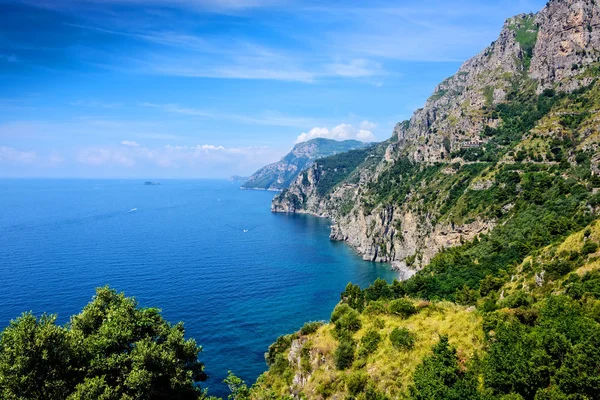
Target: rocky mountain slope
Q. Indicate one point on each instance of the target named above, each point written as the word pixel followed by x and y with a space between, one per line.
pixel 516 121
pixel 279 175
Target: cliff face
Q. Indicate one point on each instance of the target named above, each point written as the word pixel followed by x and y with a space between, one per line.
pixel 568 39
pixel 279 175
pixel 418 193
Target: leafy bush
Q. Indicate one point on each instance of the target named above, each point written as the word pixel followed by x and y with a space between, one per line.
pixel 346 320
pixel 344 354
pixel 402 307
pixel 310 327
pixel 356 382
pixel 440 377
pixel 369 343
pixel 376 308
pixel 518 299
pixel 402 338
pixel 338 311
pixel 589 247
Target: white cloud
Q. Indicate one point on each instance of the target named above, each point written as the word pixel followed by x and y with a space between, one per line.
pixel 12 156
pixel 341 132
pixel 130 143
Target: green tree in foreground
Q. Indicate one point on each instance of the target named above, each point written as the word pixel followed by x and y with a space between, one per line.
pixel 113 349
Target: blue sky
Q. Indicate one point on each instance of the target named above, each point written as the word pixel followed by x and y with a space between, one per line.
pixel 210 88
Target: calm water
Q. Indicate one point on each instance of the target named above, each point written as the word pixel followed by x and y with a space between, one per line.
pixel 180 246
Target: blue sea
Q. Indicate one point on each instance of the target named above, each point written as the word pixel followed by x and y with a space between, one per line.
pixel 204 251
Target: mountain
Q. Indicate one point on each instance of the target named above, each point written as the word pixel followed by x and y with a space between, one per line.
pixel 487 200
pixel 493 145
pixel 279 175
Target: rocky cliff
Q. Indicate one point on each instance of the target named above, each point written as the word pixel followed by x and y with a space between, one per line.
pixel 529 101
pixel 279 175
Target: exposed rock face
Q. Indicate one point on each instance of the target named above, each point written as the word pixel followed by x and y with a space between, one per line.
pixel 457 111
pixel 279 175
pixel 568 40
pixel 556 48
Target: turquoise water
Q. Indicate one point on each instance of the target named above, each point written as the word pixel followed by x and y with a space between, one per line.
pixel 205 252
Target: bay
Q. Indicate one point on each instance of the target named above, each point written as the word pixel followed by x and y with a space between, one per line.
pixel 203 251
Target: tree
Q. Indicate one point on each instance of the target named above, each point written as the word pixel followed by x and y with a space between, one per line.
pixel 113 349
pixel 36 359
pixel 238 388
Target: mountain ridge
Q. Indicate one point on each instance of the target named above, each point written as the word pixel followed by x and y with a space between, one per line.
pixel 277 176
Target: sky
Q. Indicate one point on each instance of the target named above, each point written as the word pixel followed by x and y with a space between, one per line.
pixel 209 88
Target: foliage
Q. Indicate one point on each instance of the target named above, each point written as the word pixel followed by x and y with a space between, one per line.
pixel 346 320
pixel 333 170
pixel 369 343
pixel 402 307
pixel 310 327
pixel 112 349
pixel 344 354
pixel 402 338
pixel 356 382
pixel 440 377
pixel 238 388
pixel 281 344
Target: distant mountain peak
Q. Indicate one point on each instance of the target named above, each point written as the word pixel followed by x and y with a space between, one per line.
pixel 280 175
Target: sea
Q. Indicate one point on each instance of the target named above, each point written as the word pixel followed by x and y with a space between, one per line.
pixel 203 251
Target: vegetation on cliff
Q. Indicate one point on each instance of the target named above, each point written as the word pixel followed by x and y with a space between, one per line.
pixel 530 333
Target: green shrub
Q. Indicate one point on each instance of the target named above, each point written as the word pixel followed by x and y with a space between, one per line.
pixel 347 320
pixel 402 307
pixel 439 376
pixel 589 247
pixel 338 311
pixel 369 343
pixel 518 299
pixel 310 327
pixel 344 354
pixel 356 382
pixel 558 268
pixel 402 338
pixel 376 308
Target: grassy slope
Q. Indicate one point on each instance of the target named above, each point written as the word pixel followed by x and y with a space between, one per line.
pixel 390 370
